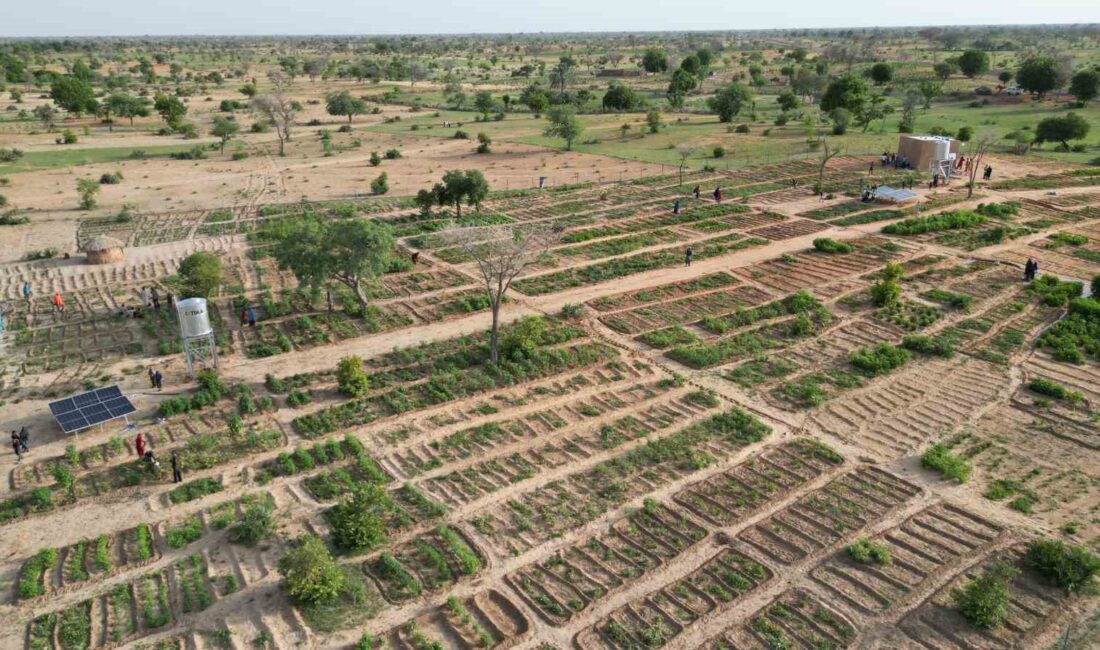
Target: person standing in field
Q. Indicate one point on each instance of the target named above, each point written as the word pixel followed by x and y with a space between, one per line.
pixel 717 194
pixel 24 438
pixel 143 295
pixel 58 302
pixel 676 207
pixel 139 446
pixel 158 379
pixel 177 475
pixel 152 378
pixel 26 290
pixel 696 191
pixel 251 316
pixel 155 297
pixel 15 446
pixel 687 256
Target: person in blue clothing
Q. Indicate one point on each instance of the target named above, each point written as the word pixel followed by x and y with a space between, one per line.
pixel 251 316
pixel 676 207
pixel 26 290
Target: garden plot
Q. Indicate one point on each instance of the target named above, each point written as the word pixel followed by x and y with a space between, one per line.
pixel 679 304
pixel 789 230
pixel 796 619
pixel 729 497
pixel 564 585
pixel 532 517
pixel 484 438
pixel 936 541
pixel 817 270
pixel 1033 607
pixel 1068 179
pixel 639 263
pixel 487 619
pixel 654 620
pixel 915 405
pixel 819 520
pixel 432 561
pixel 1083 379
pixel 462 486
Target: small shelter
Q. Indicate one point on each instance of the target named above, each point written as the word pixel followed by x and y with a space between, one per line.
pixel 927 153
pixel 103 250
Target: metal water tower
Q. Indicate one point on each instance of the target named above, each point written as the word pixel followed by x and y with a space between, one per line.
pixel 197 334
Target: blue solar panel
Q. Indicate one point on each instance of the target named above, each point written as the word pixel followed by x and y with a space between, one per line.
pixel 91 408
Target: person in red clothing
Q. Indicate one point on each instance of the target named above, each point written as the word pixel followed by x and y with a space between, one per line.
pixel 139 443
pixel 58 302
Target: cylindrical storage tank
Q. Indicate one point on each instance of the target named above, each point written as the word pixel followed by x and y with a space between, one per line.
pixel 194 318
pixel 943 148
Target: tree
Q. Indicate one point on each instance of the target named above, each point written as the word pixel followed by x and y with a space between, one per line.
pixel 685 151
pixel 200 275
pixel 279 111
pixel 342 103
pixel 788 101
pixel 691 65
pixel 358 520
pixel 87 188
pixel 621 97
pixel 128 106
pixel 929 90
pixel 826 154
pixel 1062 129
pixel 981 144
pixel 73 95
pixel 847 92
pixel 501 253
pixel 565 125
pixel 681 84
pixel 1039 74
pixel 655 60
pixel 314 67
pixel 46 115
pixel 484 103
pixel 973 62
pixel 1085 85
pixel 458 186
pixel 561 75
pixel 653 120
pixel 728 102
pixel 224 128
pixel 1005 76
pixel 484 142
pixel 840 118
pixel 537 101
pixel 882 73
pixel 984 600
pixel 944 69
pixel 351 378
pixel 311 574
pixel 876 108
pixel 317 250
pixel 170 109
pixel 887 291
pixel 248 90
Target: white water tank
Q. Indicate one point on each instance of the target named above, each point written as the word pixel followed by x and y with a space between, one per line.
pixel 943 148
pixel 194 318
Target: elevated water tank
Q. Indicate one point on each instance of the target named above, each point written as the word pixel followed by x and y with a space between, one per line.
pixel 194 317
pixel 943 148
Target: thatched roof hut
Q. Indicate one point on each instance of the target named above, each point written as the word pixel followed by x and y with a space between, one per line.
pixel 103 250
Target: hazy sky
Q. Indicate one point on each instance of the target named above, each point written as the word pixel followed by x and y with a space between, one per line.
pixel 140 17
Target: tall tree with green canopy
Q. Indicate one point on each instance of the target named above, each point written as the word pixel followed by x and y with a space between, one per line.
pixel 311 574
pixel 200 275
pixel 654 60
pixel 128 106
pixel 973 62
pixel 224 128
pixel 342 103
pixel 1039 74
pixel 317 250
pixel 1062 129
pixel 460 186
pixel 483 102
pixel 1085 85
pixel 729 101
pixel 565 125
pixel 73 95
pixel 170 108
pixel 848 92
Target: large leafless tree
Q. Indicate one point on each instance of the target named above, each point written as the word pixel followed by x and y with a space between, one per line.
pixel 981 145
pixel 277 108
pixel 501 253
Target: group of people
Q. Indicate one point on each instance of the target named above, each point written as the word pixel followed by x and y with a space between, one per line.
pixel 19 440
pixel 1031 269
pixel 892 160
pixel 156 379
pixel 716 194
pixel 248 313
pixel 150 459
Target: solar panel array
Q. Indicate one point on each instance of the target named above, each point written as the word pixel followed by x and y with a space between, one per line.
pixel 91 408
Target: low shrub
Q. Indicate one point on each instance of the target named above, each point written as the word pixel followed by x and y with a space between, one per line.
pixel 939 345
pixel 878 360
pixel 195 490
pixel 1055 390
pixel 865 551
pixel 950 466
pixel 827 245
pixel 984 600
pixel 1069 567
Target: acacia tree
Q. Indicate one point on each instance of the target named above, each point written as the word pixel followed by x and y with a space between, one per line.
pixel 565 125
pixel 685 151
pixel 342 103
pixel 128 106
pixel 224 128
pixel 317 250
pixel 458 186
pixel 47 115
pixel 826 154
pixel 981 145
pixel 279 110
pixel 501 253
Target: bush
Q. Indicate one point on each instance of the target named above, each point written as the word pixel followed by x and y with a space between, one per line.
pixel 111 178
pixel 887 291
pixel 865 551
pixel 239 155
pixel 10 155
pixel 200 274
pixel 827 245
pixel 742 128
pixel 878 360
pixel 392 154
pixel 194 153
pixel 252 525
pixel 939 346
pixel 351 378
pixel 357 521
pixel 940 459
pixel 719 152
pixel 1055 390
pixel 935 223
pixel 381 184
pixel 311 574
pixel 1069 567
pixel 68 137
pixel 195 490
pixel 185 533
pixel 984 600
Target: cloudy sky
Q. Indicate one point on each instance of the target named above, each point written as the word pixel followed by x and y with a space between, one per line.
pixel 141 17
